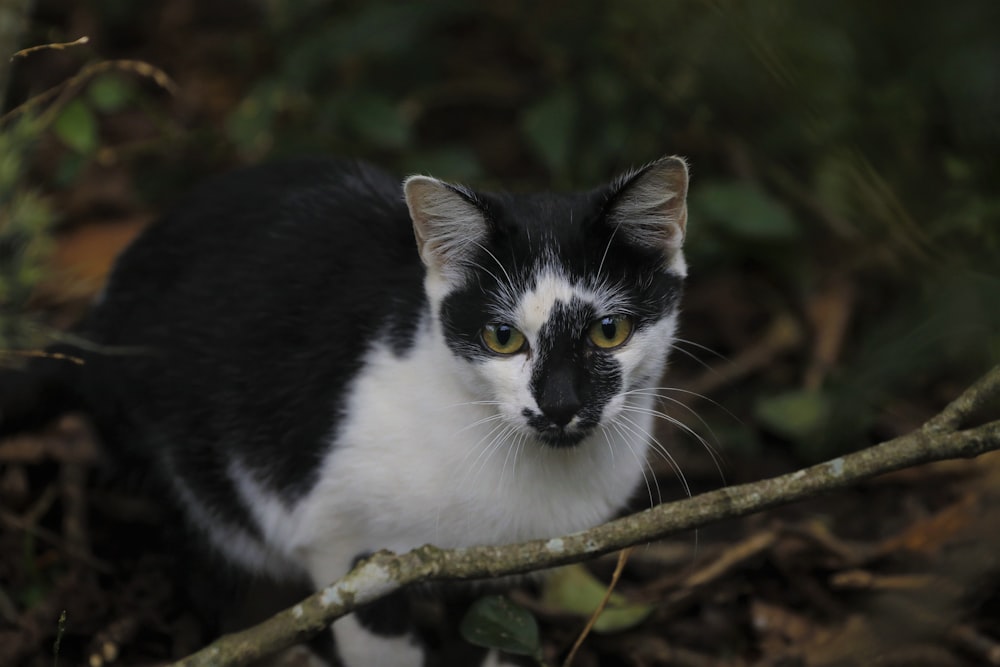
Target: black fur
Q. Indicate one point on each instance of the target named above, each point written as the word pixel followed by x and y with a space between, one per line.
pixel 237 322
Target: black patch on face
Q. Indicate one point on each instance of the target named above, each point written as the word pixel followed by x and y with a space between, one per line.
pixel 571 377
pixel 570 234
pixel 567 232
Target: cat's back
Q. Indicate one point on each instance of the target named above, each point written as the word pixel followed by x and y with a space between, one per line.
pixel 307 217
pixel 238 321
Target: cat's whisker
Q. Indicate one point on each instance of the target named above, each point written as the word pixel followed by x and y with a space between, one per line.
pixel 479 463
pixel 705 348
pixel 518 448
pixel 695 358
pixel 611 448
pixel 505 291
pixel 675 421
pixel 654 391
pixel 600 267
pixel 664 453
pixel 476 465
pixel 462 404
pixel 510 283
pixel 479 422
pixel 712 451
pixel 671 399
pixel 490 450
pixel 506 459
pixel 641 460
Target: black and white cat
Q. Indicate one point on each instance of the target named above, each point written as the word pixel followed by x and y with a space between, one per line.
pixel 313 385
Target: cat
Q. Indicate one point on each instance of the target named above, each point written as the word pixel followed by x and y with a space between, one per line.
pixel 319 363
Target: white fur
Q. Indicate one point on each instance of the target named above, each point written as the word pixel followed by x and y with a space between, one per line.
pixel 235 542
pixel 411 466
pixel 356 648
pixel 434 449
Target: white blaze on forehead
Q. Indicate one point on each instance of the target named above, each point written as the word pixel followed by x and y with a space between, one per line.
pixel 535 306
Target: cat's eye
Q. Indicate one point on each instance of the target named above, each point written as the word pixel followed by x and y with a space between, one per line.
pixel 611 331
pixel 503 338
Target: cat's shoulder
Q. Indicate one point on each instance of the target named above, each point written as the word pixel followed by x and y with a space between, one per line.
pixel 304 207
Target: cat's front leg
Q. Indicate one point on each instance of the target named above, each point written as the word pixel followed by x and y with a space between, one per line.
pixel 358 645
pixel 379 634
pixel 383 634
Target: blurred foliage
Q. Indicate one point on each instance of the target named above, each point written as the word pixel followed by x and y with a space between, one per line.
pixel 574 590
pixel 25 242
pixel 829 141
pixel 826 138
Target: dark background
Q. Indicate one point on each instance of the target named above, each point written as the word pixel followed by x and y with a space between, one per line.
pixel 844 245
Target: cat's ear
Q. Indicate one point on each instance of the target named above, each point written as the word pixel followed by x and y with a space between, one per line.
pixel 649 206
pixel 448 224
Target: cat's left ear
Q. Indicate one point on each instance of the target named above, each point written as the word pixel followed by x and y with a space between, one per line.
pixel 649 206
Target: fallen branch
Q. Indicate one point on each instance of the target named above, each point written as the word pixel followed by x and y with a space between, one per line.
pixel 386 572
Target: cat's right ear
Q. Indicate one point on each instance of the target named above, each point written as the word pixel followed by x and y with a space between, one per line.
pixel 448 224
pixel 649 206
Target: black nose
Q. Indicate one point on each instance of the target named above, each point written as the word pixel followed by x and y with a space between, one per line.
pixel 557 395
pixel 561 412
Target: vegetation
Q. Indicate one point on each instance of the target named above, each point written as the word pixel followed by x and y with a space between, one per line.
pixel 845 219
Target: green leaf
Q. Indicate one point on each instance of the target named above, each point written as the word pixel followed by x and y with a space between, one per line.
pixel 744 210
pixel 549 128
pixel 797 415
pixel 496 622
pixel 109 92
pixel 573 589
pixel 76 127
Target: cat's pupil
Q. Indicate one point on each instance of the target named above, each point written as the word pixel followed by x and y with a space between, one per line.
pixel 503 334
pixel 609 327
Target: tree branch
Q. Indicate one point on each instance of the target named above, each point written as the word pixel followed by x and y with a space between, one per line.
pixel 385 572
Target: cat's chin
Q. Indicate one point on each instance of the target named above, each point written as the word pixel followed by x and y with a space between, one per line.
pixel 558 438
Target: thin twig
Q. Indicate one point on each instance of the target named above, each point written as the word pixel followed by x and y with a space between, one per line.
pixel 42 354
pixel 985 389
pixel 616 575
pixel 54 46
pixel 64 89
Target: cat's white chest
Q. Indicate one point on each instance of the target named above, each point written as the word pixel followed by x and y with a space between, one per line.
pixel 418 460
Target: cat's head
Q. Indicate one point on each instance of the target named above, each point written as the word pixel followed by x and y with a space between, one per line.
pixel 556 304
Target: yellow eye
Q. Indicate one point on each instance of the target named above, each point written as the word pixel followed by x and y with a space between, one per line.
pixel 503 338
pixel 611 331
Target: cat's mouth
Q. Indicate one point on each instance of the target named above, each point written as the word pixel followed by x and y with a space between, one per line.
pixel 558 436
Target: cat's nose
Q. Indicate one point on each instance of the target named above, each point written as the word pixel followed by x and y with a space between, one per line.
pixel 557 396
pixel 562 412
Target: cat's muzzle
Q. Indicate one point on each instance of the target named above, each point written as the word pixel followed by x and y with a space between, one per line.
pixel 554 434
